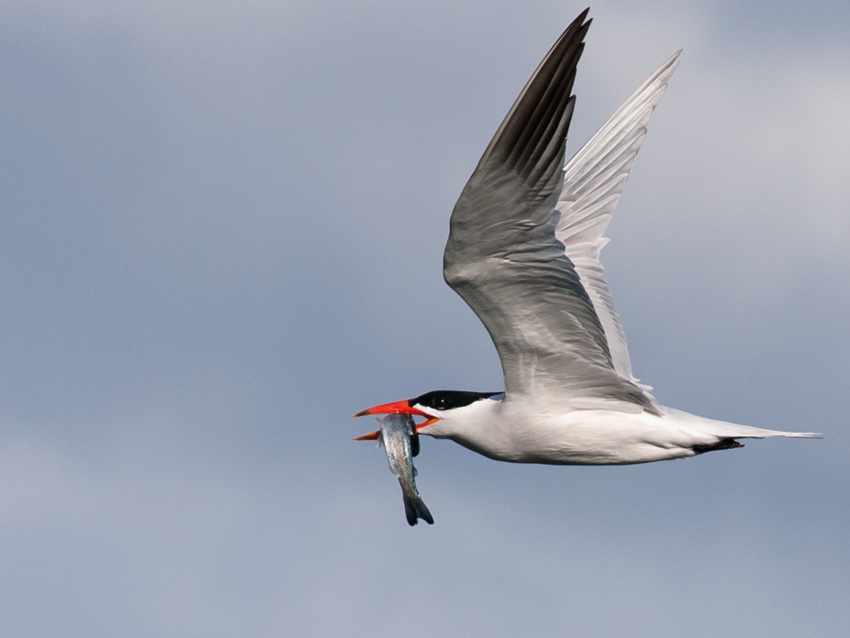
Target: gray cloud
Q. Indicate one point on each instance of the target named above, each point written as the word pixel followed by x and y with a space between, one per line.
pixel 221 235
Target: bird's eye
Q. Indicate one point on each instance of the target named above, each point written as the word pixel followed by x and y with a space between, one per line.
pixel 449 399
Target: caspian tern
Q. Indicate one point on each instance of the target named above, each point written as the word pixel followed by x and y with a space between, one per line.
pixel 523 252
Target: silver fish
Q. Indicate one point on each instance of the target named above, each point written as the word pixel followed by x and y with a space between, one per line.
pixel 398 435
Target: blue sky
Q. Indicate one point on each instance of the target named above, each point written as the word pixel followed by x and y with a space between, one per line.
pixel 221 234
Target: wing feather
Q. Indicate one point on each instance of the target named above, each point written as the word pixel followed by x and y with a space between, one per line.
pixel 523 249
pixel 505 261
pixel 594 179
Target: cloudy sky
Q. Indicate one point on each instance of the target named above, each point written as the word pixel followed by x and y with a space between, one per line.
pixel 221 234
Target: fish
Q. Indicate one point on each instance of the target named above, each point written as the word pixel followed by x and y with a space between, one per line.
pixel 401 443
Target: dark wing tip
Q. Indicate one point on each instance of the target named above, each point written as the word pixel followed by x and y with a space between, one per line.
pixel 531 138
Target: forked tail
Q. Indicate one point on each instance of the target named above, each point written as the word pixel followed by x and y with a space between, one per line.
pixel 746 432
pixel 727 430
pixel 415 508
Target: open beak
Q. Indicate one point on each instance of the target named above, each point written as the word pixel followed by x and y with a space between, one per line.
pixel 397 407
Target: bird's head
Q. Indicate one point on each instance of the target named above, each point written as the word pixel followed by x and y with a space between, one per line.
pixel 440 405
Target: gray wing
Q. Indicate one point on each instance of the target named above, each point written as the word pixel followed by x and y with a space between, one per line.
pixel 503 257
pixel 593 182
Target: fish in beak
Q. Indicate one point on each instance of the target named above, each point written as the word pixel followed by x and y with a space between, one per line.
pixel 396 407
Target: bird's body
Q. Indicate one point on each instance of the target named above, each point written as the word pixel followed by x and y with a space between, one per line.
pixel 523 252
pixel 511 430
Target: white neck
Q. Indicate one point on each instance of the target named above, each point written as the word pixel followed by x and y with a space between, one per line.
pixel 481 426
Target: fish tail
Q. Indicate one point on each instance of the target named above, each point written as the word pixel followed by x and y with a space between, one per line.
pixel 415 508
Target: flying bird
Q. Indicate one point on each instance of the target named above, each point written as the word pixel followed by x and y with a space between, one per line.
pixel 523 252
